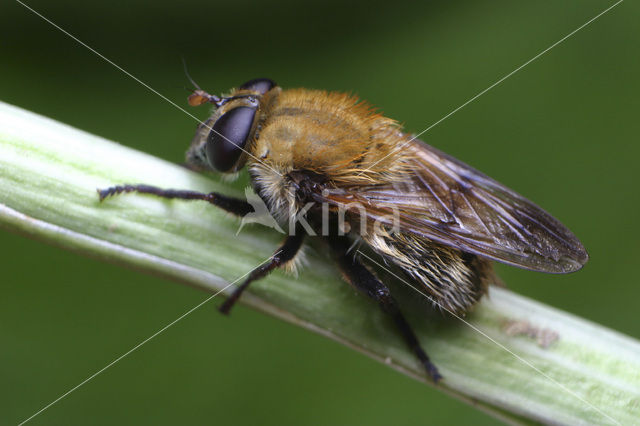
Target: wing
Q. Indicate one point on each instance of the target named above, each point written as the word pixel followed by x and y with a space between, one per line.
pixel 451 203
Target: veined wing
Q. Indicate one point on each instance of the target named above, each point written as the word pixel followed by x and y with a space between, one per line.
pixel 451 203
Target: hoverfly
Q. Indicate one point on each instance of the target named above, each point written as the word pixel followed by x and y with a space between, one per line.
pixel 315 152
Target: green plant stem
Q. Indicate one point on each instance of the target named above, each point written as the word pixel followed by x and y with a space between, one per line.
pixel 516 359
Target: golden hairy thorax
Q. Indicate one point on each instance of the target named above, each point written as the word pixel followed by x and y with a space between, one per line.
pixel 332 134
pixel 349 144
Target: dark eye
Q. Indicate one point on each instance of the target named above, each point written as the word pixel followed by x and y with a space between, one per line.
pixel 260 85
pixel 228 137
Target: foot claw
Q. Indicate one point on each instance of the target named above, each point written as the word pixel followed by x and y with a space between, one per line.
pixel 103 193
pixel 433 372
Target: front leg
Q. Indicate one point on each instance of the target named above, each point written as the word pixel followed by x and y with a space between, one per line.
pixel 284 254
pixel 232 205
pixel 364 280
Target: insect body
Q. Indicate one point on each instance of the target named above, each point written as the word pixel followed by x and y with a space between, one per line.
pixel 351 174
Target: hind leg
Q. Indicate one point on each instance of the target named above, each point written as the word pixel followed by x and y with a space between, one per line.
pixel 364 280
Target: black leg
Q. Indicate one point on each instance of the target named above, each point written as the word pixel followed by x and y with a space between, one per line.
pixel 364 280
pixel 232 205
pixel 285 253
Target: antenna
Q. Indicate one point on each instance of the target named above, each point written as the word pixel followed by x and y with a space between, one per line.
pixel 199 96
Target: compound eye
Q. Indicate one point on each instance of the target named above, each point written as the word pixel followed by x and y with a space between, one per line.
pixel 260 85
pixel 228 137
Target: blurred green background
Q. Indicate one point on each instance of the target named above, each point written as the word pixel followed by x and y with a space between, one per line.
pixel 563 131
